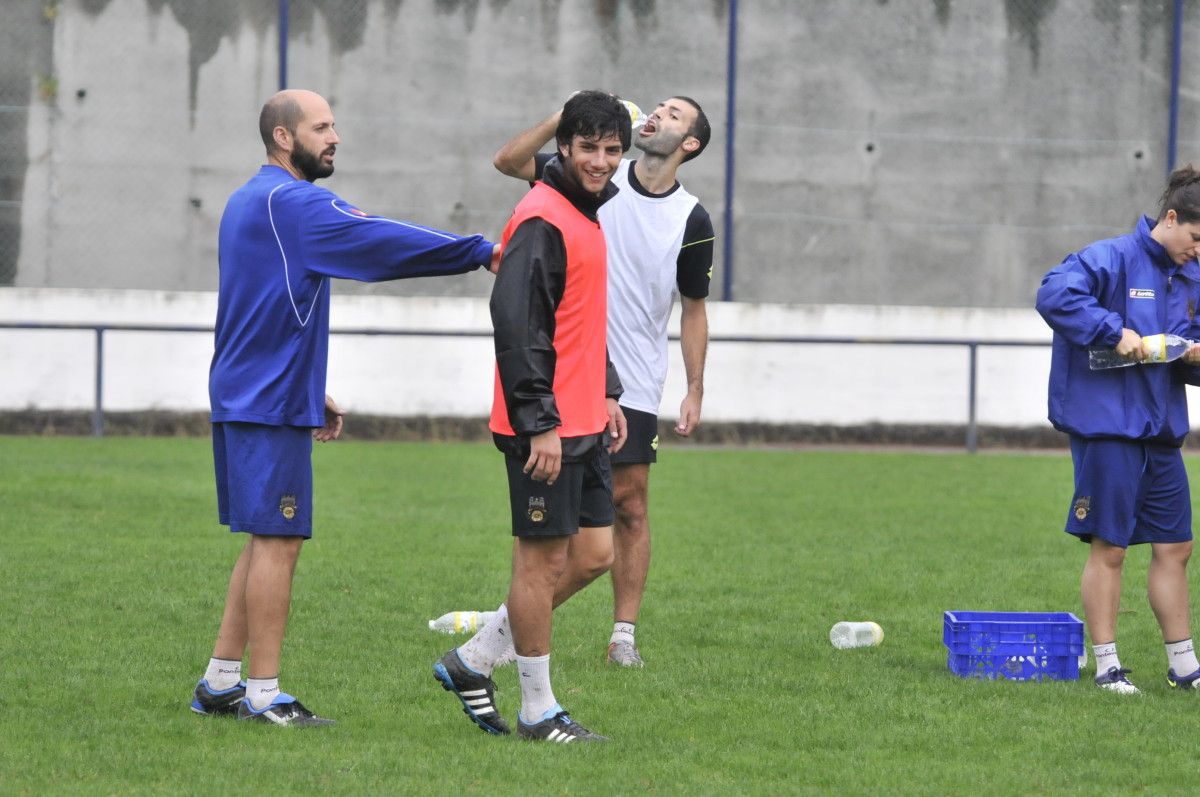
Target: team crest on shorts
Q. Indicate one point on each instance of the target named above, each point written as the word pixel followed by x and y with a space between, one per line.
pixel 287 507
pixel 1082 507
pixel 537 510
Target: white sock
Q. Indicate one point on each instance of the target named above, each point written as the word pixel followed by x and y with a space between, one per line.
pixel 482 651
pixel 1106 657
pixel 261 691
pixel 536 695
pixel 223 674
pixel 1181 657
pixel 622 632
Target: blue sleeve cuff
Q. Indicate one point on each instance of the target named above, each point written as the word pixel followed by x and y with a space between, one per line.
pixel 483 252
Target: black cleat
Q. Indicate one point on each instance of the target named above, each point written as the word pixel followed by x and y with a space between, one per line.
pixel 284 710
pixel 206 701
pixel 477 692
pixel 559 728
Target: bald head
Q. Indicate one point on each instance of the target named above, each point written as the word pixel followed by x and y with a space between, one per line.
pixel 297 128
pixel 287 109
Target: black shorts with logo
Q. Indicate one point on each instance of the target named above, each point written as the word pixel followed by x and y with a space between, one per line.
pixel 642 444
pixel 580 497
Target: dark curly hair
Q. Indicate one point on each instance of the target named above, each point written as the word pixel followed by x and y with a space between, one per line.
pixel 594 114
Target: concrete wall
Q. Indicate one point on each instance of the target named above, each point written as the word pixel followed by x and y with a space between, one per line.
pixel 907 152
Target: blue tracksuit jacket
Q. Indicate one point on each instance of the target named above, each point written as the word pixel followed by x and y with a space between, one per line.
pixel 280 241
pixel 1131 282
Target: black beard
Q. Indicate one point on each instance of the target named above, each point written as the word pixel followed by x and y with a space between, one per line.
pixel 309 164
pixel 660 146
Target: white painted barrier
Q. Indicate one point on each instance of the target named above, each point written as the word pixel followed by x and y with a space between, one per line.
pixel 452 376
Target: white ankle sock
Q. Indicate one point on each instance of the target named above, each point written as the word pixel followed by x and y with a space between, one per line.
pixel 1106 657
pixel 482 651
pixel 223 674
pixel 261 691
pixel 536 695
pixel 1181 657
pixel 622 632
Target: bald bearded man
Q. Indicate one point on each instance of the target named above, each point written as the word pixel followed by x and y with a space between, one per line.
pixel 281 240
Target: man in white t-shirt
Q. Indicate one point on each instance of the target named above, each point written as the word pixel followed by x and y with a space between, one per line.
pixel 660 242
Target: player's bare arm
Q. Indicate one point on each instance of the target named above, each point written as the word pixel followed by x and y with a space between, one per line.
pixel 693 339
pixel 515 158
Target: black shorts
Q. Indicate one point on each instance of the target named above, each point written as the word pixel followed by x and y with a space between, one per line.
pixel 582 496
pixel 642 444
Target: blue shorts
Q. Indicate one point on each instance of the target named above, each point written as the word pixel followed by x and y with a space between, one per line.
pixel 1128 493
pixel 264 478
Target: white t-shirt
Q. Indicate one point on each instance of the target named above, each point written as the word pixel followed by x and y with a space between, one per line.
pixel 646 235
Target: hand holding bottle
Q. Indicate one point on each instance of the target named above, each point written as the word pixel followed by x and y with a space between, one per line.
pixel 1131 346
pixel 1132 349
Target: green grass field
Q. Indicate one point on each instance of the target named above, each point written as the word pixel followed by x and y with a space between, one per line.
pixel 113 570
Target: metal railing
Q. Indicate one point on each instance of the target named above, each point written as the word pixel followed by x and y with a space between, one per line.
pixel 971 344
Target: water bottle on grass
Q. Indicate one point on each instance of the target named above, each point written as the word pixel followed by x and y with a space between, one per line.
pixel 847 635
pixel 460 622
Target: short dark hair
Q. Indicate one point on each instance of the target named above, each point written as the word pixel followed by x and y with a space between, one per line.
pixel 1182 195
pixel 700 128
pixel 594 114
pixel 279 111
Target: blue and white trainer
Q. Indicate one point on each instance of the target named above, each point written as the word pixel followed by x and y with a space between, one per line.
pixel 284 710
pixel 1116 680
pixel 557 726
pixel 224 701
pixel 1183 681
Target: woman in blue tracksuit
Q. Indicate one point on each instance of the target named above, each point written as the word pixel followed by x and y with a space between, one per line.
pixel 1126 425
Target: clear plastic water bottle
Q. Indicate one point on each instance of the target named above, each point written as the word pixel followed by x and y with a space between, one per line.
pixel 847 635
pixel 637 117
pixel 1161 348
pixel 460 622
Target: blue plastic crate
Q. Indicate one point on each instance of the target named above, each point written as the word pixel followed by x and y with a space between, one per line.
pixel 1016 646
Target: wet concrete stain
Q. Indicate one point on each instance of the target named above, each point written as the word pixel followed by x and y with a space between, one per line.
pixel 26 79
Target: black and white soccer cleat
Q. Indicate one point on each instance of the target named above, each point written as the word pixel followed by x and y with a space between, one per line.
pixel 284 710
pixel 476 691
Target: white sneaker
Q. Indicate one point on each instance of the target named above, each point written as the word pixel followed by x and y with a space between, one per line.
pixel 624 653
pixel 1115 681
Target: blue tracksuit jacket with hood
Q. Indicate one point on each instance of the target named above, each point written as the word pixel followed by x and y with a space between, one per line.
pixel 1131 282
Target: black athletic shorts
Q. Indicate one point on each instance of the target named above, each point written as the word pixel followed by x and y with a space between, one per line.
pixel 642 444
pixel 581 496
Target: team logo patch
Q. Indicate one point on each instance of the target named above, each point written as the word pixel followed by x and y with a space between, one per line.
pixel 287 507
pixel 1082 507
pixel 1191 309
pixel 1141 293
pixel 654 443
pixel 536 510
